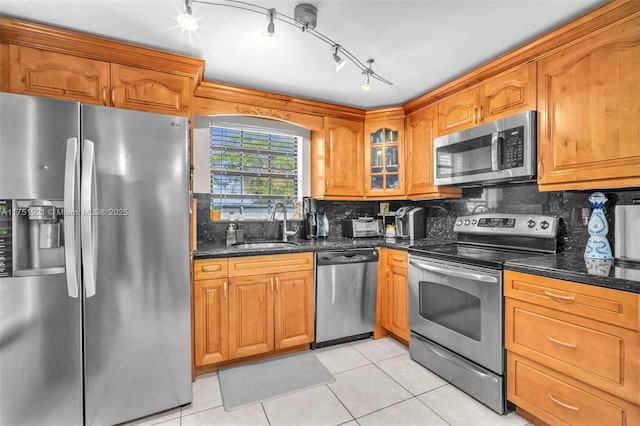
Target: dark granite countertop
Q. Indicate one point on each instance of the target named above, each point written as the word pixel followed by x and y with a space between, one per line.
pixel 216 250
pixel 574 267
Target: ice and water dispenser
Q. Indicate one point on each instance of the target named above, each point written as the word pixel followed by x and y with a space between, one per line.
pixel 31 240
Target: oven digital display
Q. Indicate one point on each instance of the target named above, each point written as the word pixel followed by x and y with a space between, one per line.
pixel 497 222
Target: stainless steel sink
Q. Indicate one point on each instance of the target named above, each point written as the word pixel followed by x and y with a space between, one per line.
pixel 264 245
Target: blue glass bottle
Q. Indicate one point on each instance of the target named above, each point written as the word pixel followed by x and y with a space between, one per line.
pixel 598 246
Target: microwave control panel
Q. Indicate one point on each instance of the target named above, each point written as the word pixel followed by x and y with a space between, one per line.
pixel 512 147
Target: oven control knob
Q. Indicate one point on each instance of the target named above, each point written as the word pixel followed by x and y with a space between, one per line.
pixel 467 222
pixel 473 222
pixel 544 224
pixel 531 223
pixel 459 223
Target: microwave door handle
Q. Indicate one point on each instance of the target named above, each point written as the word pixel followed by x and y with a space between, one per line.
pixel 455 273
pixel 496 152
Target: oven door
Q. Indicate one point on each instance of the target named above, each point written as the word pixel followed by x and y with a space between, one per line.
pixel 459 307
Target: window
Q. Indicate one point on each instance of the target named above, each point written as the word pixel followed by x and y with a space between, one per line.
pixel 252 169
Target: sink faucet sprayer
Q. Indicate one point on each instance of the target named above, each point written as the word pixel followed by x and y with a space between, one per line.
pixel 285 232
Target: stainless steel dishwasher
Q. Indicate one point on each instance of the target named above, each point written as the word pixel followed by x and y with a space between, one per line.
pixel 345 295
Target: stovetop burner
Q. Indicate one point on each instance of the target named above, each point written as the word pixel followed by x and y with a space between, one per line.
pixel 474 255
pixel 490 239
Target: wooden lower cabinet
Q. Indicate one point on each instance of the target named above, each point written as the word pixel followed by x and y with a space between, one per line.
pixel 211 316
pixel 395 289
pixel 240 313
pixel 557 399
pixel 573 351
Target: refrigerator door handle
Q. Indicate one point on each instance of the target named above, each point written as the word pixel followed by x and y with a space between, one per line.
pixel 88 217
pixel 70 251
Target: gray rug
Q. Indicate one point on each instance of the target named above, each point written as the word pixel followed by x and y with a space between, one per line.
pixel 263 380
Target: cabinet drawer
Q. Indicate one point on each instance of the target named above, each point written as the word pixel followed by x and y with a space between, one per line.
pixel 601 304
pixel 209 269
pixel 397 258
pixel 548 396
pixel 599 354
pixel 272 264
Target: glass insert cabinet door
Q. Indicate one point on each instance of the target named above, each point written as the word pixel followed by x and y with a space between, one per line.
pixel 384 162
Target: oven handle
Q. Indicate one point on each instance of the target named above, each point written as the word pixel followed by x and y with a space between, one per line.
pixel 460 364
pixel 455 273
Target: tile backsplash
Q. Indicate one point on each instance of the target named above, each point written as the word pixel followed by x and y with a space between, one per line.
pixel 440 214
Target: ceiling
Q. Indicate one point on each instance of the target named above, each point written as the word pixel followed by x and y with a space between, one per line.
pixel 417 45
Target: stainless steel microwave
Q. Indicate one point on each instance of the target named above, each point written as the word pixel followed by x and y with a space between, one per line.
pixel 497 152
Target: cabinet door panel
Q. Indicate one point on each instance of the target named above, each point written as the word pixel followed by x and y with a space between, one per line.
pixel 589 133
pixel 458 112
pixel 152 91
pixel 344 157
pixel 294 316
pixel 54 75
pixel 250 315
pixel 397 294
pixel 509 93
pixel 211 321
pixel 384 158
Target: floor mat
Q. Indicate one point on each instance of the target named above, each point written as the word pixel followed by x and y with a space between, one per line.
pixel 263 380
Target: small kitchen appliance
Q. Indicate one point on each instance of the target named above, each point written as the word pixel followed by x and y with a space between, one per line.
pixel 456 306
pixel 497 152
pixel 361 228
pixel 627 231
pixel 309 211
pixel 410 223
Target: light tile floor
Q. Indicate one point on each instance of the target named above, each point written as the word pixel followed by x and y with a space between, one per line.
pixel 377 384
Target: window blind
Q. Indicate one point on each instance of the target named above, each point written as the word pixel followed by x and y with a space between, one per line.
pixel 253 170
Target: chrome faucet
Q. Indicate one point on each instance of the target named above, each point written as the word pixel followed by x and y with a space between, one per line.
pixel 285 232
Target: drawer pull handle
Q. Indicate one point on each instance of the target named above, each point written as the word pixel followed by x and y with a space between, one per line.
pixel 214 268
pixel 560 342
pixel 570 407
pixel 557 296
pixel 398 259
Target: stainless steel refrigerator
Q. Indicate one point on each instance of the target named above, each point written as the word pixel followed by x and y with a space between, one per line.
pixel 94 263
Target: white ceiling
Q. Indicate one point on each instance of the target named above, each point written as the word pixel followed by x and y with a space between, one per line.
pixel 417 44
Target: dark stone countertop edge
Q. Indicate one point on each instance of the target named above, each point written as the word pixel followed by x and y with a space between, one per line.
pixel 212 251
pixel 572 267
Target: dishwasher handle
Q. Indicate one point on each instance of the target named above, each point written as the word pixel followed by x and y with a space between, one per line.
pixel 346 257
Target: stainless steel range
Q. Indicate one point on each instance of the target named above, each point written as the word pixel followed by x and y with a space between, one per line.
pixel 456 308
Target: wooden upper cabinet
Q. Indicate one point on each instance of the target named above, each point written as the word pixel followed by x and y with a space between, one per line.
pixel 42 73
pixel 458 112
pixel 344 158
pixel 55 75
pixel 589 122
pixel 147 90
pixel 498 97
pixel 420 130
pixel 384 165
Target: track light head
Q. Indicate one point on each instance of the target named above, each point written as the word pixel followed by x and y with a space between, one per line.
pixel 340 62
pixel 270 33
pixel 368 72
pixel 186 19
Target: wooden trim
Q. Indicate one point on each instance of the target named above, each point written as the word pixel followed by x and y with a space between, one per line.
pixel 59 40
pixel 208 106
pixel 262 99
pixel 612 13
pixel 215 367
pixel 384 114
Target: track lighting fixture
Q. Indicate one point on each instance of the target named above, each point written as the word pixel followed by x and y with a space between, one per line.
pixel 186 19
pixel 339 61
pixel 270 33
pixel 368 72
pixel 305 19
